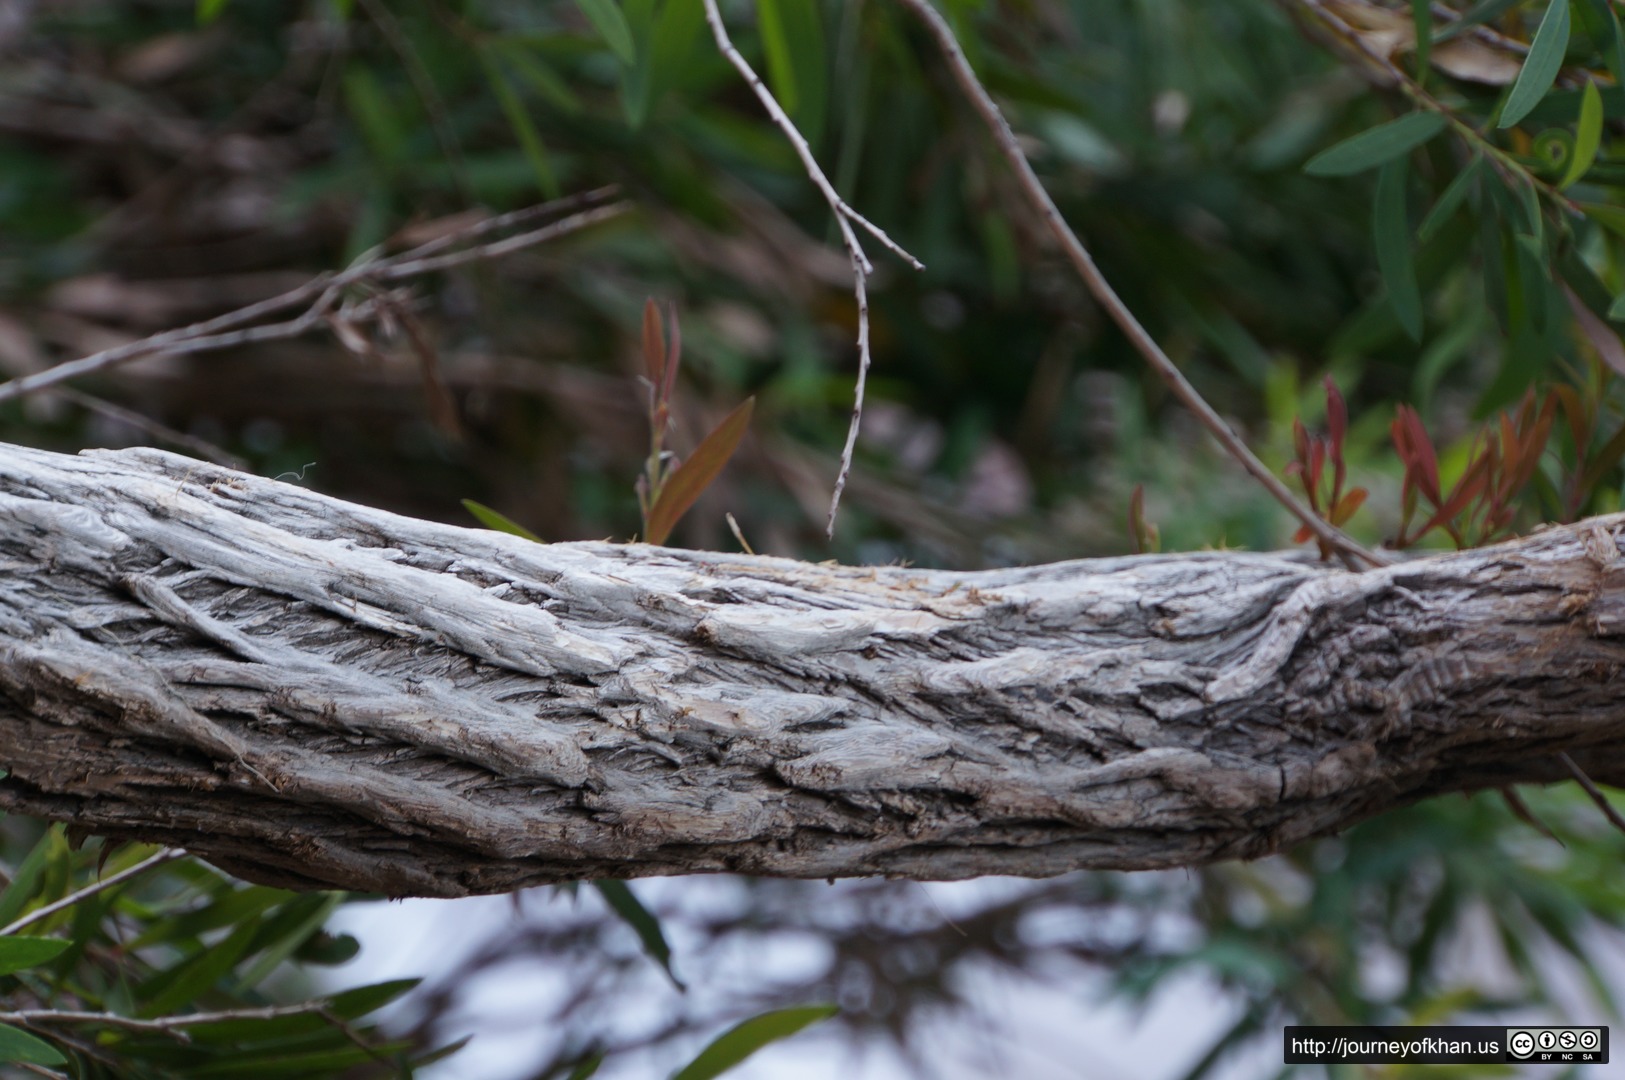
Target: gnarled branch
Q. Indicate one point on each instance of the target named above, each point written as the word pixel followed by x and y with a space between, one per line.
pixel 309 693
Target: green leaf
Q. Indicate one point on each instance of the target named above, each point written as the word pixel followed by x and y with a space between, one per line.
pixel 1375 146
pixel 1479 13
pixel 695 475
pixel 793 39
pixel 637 79
pixel 519 119
pixel 1587 137
pixel 23 1048
pixel 1422 22
pixel 744 1039
pixel 1392 233
pixel 501 523
pixel 1616 310
pixel 1611 218
pixel 1541 66
pixel 179 986
pixel 1450 201
pixel 624 902
pixel 209 10
pixel 606 18
pixel 25 882
pixel 17 953
pixel 587 1067
pixel 781 73
pixel 1602 26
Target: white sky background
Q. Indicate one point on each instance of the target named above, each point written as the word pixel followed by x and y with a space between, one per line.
pixel 1037 1031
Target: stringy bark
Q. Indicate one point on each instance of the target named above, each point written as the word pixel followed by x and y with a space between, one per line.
pixel 311 693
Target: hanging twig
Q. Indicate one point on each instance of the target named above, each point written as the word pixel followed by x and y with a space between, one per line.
pixel 170 1025
pixel 157 859
pixel 1591 789
pixel 845 218
pixel 323 292
pixel 203 448
pixel 1347 548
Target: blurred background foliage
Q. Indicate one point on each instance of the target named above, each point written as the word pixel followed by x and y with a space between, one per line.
pixel 167 160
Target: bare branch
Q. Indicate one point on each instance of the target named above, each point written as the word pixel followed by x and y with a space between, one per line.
pixel 1350 550
pixel 171 1025
pixel 203 448
pixel 322 292
pixel 845 217
pixel 310 693
pixel 156 859
pixel 1591 789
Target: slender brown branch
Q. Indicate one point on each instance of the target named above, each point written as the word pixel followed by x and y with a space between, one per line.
pixel 1374 60
pixel 174 1025
pixel 203 448
pixel 156 859
pixel 845 217
pixel 1347 548
pixel 323 291
pixel 1592 790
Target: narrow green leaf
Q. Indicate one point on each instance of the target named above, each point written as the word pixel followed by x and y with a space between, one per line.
pixel 173 989
pixel 793 39
pixel 17 953
pixel 1541 66
pixel 637 79
pixel 500 522
pixel 1450 201
pixel 1602 26
pixel 1375 146
pixel 1587 136
pixel 606 18
pixel 25 882
pixel 745 1038
pixel 380 125
pixel 209 10
pixel 24 1049
pixel 587 1067
pixel 781 73
pixel 525 131
pixel 695 475
pixel 1611 218
pixel 1479 13
pixel 1616 310
pixel 1422 22
pixel 625 903
pixel 1392 233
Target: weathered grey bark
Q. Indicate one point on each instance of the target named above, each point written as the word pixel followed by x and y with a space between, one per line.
pixel 312 693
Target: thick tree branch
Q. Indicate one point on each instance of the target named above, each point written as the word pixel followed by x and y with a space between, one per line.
pixel 312 693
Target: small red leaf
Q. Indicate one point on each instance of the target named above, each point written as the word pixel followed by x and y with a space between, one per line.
pixel 654 347
pixel 674 354
pixel 1303 535
pixel 1337 415
pixel 689 480
pixel 1347 505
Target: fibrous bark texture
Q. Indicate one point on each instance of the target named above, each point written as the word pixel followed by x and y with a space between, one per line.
pixel 312 693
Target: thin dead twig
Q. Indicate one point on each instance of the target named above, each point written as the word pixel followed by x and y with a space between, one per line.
pixel 169 1025
pixel 325 290
pixel 1592 790
pixel 1352 553
pixel 156 859
pixel 203 448
pixel 845 218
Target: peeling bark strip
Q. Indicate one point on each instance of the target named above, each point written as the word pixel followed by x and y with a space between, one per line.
pixel 312 693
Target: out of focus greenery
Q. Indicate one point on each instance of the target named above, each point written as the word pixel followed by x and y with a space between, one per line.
pixel 168 160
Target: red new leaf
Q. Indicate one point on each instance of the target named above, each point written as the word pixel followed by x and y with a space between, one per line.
pixel 690 480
